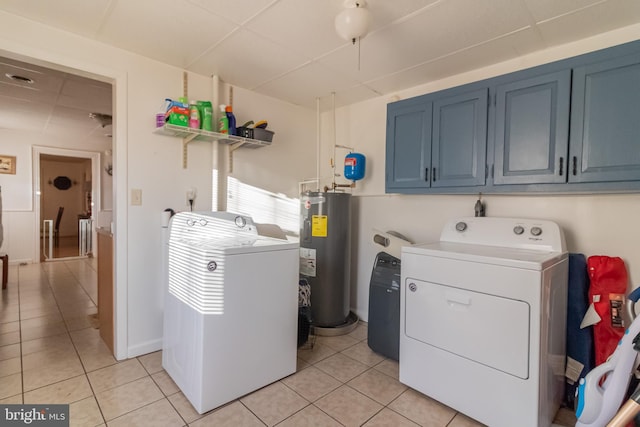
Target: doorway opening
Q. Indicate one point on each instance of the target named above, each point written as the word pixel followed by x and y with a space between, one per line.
pixel 67 199
pixel 66 207
pixel 75 101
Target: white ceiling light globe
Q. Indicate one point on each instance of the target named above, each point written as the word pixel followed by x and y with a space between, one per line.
pixel 353 22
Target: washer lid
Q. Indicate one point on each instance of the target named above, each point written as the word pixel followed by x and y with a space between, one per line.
pixel 510 257
pixel 243 245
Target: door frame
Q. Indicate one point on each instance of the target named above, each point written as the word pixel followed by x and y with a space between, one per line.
pixel 95 187
pixel 119 81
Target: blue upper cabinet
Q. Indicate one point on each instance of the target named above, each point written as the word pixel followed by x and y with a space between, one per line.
pixel 571 125
pixel 459 142
pixel 605 121
pixel 532 130
pixel 408 156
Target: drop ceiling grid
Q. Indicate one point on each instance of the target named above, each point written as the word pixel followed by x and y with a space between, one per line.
pixel 272 46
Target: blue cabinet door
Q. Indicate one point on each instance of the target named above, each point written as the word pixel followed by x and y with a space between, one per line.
pixel 408 150
pixel 459 143
pixel 605 121
pixel 532 130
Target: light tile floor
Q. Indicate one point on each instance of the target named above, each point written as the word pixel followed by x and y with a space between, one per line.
pixel 50 353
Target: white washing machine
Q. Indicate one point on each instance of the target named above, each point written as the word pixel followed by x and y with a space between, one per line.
pixel 231 307
pixel 483 319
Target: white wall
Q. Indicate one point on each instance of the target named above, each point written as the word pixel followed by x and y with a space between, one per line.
pixel 597 224
pixel 291 156
pixel 21 241
pixel 146 161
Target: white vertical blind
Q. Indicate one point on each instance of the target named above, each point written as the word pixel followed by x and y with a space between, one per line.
pixel 261 205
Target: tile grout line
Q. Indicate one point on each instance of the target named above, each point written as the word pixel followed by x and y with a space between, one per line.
pixel 68 333
pixel 20 335
pixel 369 368
pixel 169 400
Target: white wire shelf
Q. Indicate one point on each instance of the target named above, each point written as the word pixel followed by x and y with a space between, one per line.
pixel 191 134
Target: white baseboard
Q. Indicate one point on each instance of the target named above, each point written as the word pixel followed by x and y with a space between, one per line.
pixel 144 348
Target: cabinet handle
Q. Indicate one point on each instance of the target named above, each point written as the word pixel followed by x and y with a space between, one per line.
pixel 433 175
pixel 561 165
pixel 426 174
pixel 575 165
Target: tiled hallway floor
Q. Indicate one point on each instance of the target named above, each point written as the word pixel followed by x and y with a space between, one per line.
pixel 50 353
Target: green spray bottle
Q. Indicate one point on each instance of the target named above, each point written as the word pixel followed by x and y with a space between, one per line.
pixel 223 123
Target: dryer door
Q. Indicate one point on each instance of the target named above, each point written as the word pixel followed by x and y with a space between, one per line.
pixel 484 328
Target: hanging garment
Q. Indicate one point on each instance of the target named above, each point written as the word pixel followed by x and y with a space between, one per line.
pixel 608 276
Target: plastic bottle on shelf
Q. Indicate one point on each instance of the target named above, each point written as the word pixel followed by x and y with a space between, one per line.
pixel 223 123
pixel 206 113
pixel 194 115
pixel 231 119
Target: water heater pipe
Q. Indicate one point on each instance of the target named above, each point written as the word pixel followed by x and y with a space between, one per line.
pixel 333 159
pixel 220 151
pixel 318 143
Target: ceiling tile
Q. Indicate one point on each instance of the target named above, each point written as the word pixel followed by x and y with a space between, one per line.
pixel 384 12
pixel 42 81
pixel 236 64
pixel 542 10
pixel 72 117
pixel 234 10
pixel 599 18
pixel 297 25
pixel 184 32
pixel 427 35
pixel 80 94
pixel 288 49
pixel 484 54
pixel 304 85
pixel 15 92
pixel 77 16
pixel 348 96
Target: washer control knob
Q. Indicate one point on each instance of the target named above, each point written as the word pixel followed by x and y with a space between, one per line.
pixel 536 231
pixel 461 226
pixel 241 221
pixel 518 229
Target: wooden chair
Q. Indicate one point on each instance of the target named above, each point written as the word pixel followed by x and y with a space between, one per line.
pixel 56 228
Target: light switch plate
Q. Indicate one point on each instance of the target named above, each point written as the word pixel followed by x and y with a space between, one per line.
pixel 136 197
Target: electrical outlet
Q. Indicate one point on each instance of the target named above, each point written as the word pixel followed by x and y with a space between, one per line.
pixel 136 197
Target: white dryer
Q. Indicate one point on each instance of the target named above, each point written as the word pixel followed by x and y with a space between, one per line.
pixel 231 307
pixel 483 319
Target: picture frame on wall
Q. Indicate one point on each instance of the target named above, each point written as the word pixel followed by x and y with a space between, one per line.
pixel 7 164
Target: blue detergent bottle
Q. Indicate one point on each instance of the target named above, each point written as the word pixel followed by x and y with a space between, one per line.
pixel 232 120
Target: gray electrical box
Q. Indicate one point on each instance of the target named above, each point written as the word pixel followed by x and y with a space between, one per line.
pixel 384 306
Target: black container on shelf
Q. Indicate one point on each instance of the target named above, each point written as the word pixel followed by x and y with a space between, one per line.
pixel 257 133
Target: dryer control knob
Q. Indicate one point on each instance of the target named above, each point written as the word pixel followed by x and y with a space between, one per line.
pixel 536 231
pixel 518 229
pixel 461 226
